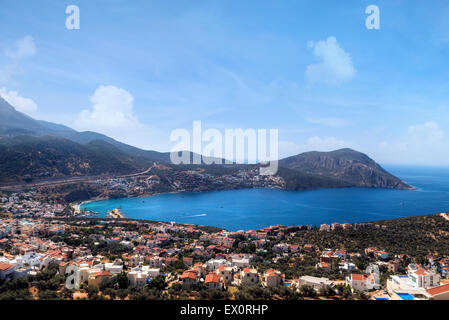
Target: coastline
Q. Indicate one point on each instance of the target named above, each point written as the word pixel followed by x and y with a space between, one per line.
pixel 77 205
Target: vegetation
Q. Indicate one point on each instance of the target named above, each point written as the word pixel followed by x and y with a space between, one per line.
pixel 414 236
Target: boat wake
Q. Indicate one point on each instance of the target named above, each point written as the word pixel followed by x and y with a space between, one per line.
pixel 197 215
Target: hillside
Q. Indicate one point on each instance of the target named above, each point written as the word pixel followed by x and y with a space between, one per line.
pixel 346 165
pixel 43 157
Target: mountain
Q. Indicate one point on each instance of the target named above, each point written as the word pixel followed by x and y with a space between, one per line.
pixel 347 166
pixel 49 157
pixel 37 149
pixel 13 122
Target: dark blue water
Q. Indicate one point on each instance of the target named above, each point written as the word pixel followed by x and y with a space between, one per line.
pixel 258 208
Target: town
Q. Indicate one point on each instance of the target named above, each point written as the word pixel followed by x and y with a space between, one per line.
pixel 43 245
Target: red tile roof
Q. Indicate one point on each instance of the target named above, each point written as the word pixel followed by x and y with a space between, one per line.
pixel 212 278
pixel 421 272
pixel 5 266
pixel 438 290
pixel 102 273
pixel 358 277
pixel 189 274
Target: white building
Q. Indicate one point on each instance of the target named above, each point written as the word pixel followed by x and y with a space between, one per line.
pixel 422 278
pixel 139 276
pixel 226 274
pixel 273 278
pixel 361 282
pixel 214 264
pixel 114 267
pixel 249 276
pixel 241 260
pixel 315 282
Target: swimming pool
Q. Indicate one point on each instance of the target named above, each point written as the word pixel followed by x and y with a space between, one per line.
pixel 405 296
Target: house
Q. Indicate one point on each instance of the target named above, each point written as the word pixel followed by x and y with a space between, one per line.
pixel 213 281
pixel 171 261
pixel 201 268
pixel 140 276
pixel 315 282
pixel 322 265
pixel 347 266
pixel 381 254
pixel 214 264
pixel 249 276
pixel 189 279
pixel 329 257
pixel 341 254
pixel 226 274
pixel 347 226
pixel 422 278
pixel 115 267
pixel 241 261
pixel 99 278
pixel 370 250
pixel 273 278
pixel 294 248
pixel 309 248
pixel 281 247
pixel 439 293
pixel 154 261
pixel 188 261
pixel 361 282
pixel 336 226
pixel 6 270
pixel 394 266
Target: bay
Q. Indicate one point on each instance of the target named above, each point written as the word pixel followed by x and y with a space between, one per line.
pixel 258 208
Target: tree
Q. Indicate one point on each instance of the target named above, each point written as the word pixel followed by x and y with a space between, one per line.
pixel 91 291
pixel 66 294
pixel 110 292
pixel 48 295
pixel 122 294
pixel 158 283
pixel 122 280
pixel 327 291
pixel 307 291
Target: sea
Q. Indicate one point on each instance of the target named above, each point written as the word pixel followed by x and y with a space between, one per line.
pixel 252 209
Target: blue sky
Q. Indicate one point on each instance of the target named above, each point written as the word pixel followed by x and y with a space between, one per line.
pixel 136 70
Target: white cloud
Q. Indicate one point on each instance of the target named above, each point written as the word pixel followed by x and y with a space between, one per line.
pixel 23 48
pixel 326 144
pixel 335 64
pixel 330 122
pixel 422 144
pixel 25 105
pixel 112 109
pixel 429 132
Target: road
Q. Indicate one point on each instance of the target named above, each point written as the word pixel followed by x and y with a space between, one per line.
pixel 64 180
